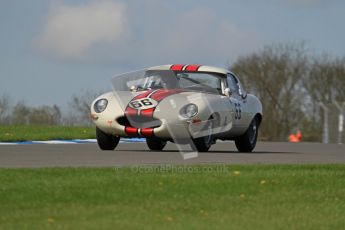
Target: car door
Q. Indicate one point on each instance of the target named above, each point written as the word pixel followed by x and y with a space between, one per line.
pixel 236 102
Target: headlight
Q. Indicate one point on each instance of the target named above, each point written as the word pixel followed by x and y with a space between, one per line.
pixel 190 110
pixel 100 105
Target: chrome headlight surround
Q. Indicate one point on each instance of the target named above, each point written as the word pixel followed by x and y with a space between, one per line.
pixel 100 105
pixel 189 110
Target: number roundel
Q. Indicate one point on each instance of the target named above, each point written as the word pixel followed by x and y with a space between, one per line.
pixel 143 103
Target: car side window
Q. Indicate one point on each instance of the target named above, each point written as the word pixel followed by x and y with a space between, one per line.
pixel 232 84
pixel 200 81
pixel 241 90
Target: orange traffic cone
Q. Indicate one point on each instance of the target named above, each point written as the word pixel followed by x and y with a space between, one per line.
pixel 295 137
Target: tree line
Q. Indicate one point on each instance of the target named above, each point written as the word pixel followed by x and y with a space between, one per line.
pixel 20 113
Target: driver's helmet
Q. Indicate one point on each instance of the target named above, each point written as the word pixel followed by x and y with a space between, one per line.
pixel 155 82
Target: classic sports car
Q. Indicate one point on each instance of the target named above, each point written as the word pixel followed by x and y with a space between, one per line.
pixel 193 104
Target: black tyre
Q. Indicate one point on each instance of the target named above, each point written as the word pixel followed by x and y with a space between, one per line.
pixel 203 144
pixel 106 141
pixel 155 144
pixel 247 142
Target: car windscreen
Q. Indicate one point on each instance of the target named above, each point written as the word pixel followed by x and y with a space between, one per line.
pixel 143 80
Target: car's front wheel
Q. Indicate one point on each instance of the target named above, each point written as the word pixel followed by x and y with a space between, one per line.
pixel 106 141
pixel 203 144
pixel 155 144
pixel 247 142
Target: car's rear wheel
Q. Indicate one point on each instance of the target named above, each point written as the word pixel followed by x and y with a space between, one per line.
pixel 203 144
pixel 106 141
pixel 155 143
pixel 247 142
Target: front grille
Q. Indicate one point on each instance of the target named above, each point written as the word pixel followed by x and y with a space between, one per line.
pixel 139 122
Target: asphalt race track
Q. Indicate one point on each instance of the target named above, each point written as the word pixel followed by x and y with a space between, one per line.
pixel 59 155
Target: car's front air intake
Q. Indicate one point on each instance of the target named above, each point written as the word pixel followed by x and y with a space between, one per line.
pixel 139 122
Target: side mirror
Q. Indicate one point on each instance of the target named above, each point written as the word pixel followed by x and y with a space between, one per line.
pixel 227 92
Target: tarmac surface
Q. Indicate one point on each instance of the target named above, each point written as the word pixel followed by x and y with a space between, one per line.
pixel 127 154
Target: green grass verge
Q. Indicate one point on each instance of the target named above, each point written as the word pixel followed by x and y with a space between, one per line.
pixel 189 197
pixel 44 132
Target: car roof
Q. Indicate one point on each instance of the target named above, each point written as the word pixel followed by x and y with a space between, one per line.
pixel 191 68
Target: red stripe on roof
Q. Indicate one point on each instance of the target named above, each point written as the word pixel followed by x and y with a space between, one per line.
pixel 192 68
pixel 177 67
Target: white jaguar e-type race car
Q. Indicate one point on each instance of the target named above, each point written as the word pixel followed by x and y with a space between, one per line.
pixel 191 104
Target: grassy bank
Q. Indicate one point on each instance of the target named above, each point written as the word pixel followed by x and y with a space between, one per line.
pixel 43 132
pixel 190 197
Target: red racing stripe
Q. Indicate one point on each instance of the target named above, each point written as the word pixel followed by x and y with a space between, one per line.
pixel 161 94
pixel 158 95
pixel 192 68
pixel 131 131
pixel 142 95
pixel 147 112
pixel 146 132
pixel 176 67
pixel 130 111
